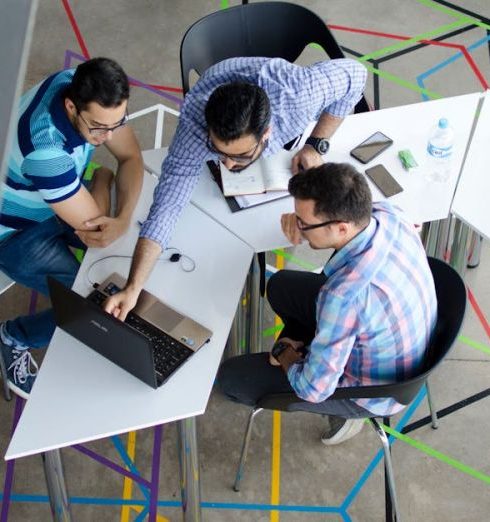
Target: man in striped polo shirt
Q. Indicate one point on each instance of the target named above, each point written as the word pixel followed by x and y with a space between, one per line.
pixel 365 320
pixel 46 209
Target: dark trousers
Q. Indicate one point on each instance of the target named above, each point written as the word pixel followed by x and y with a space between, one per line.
pixel 246 378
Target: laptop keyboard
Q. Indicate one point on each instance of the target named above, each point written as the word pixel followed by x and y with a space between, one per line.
pixel 168 353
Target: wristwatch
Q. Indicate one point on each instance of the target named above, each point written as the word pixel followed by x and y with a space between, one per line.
pixel 278 348
pixel 321 145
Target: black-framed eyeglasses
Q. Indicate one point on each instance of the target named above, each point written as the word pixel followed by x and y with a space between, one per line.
pixel 242 159
pixel 305 226
pixel 102 131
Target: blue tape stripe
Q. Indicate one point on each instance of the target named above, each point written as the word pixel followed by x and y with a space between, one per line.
pixel 142 515
pixel 479 43
pixel 445 63
pixel 116 440
pixel 173 503
pixel 346 517
pixel 372 465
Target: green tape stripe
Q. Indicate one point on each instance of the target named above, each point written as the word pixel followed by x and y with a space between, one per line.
pixel 415 39
pixel 224 4
pixel 269 332
pixel 438 455
pixel 89 171
pixel 452 12
pixel 295 260
pixel 474 344
pixel 79 253
pixel 400 81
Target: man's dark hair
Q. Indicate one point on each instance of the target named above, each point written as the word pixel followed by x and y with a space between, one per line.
pixel 238 109
pixel 99 80
pixel 338 190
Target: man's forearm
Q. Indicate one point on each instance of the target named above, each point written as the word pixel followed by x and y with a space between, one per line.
pixel 326 126
pixel 129 180
pixel 145 256
pixel 100 189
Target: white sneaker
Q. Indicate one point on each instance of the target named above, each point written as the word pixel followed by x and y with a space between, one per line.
pixel 341 430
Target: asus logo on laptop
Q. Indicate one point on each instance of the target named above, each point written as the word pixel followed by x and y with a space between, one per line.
pixel 99 326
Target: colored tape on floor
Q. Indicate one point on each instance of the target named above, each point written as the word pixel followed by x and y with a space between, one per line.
pixel 468 470
pixel 128 483
pixel 424 36
pixel 474 344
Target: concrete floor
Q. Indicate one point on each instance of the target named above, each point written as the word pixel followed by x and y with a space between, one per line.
pixel 449 481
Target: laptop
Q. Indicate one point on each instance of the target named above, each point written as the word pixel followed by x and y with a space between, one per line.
pixel 153 342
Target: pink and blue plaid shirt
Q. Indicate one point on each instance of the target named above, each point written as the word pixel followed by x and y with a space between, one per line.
pixel 298 96
pixel 375 314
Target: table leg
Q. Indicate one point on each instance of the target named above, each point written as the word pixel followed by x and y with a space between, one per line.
pixel 475 250
pixel 256 308
pixel 189 470
pixel 435 237
pixel 236 344
pixel 55 481
pixel 459 247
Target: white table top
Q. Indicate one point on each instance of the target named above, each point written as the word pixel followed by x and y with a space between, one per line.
pixel 208 197
pixel 80 396
pixel 409 127
pixel 470 201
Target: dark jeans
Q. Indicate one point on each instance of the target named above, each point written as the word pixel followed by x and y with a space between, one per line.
pixel 28 257
pixel 246 378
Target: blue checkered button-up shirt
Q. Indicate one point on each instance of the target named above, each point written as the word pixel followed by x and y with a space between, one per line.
pixel 298 96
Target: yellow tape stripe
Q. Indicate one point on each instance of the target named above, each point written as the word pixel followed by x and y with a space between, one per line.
pixel 276 463
pixel 128 483
pixel 276 437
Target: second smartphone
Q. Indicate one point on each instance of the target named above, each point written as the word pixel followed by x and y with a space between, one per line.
pixel 371 147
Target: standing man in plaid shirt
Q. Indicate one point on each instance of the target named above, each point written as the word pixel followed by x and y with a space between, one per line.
pixel 365 320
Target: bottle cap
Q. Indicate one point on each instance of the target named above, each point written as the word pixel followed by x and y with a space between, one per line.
pixel 443 123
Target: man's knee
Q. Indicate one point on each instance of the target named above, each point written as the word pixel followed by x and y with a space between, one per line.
pixel 275 288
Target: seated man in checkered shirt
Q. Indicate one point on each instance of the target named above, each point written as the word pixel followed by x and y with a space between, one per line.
pixel 365 320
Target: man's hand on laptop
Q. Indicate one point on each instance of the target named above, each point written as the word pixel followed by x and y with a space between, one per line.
pixel 120 304
pixel 290 228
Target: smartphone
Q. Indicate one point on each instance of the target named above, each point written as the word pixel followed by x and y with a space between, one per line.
pixel 372 147
pixel 384 180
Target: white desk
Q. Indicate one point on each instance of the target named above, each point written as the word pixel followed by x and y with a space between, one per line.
pixel 408 126
pixel 85 397
pixel 471 198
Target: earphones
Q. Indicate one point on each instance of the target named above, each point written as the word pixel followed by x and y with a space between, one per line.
pixel 187 264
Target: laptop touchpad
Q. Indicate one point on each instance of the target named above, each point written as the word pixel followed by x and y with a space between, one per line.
pixel 162 317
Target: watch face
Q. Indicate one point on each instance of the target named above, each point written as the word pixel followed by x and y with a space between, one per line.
pixel 322 146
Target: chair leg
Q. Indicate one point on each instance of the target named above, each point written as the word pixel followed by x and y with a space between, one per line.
pixel 389 477
pixel 3 371
pixel 246 442
pixel 433 411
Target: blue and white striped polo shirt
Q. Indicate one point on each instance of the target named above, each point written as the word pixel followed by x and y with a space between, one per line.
pixel 47 159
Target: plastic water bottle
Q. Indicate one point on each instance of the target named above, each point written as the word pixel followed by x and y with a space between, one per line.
pixel 439 151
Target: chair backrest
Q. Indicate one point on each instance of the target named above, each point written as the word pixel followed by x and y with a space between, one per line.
pixel 270 29
pixel 451 306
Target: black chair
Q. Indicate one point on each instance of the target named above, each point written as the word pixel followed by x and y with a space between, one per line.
pixel 270 29
pixel 451 299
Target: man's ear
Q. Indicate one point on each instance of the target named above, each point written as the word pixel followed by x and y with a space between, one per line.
pixel 343 228
pixel 267 133
pixel 70 107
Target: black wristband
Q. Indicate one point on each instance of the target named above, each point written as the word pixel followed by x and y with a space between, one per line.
pixel 278 348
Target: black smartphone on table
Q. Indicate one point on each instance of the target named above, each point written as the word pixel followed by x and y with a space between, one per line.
pixel 384 180
pixel 371 147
